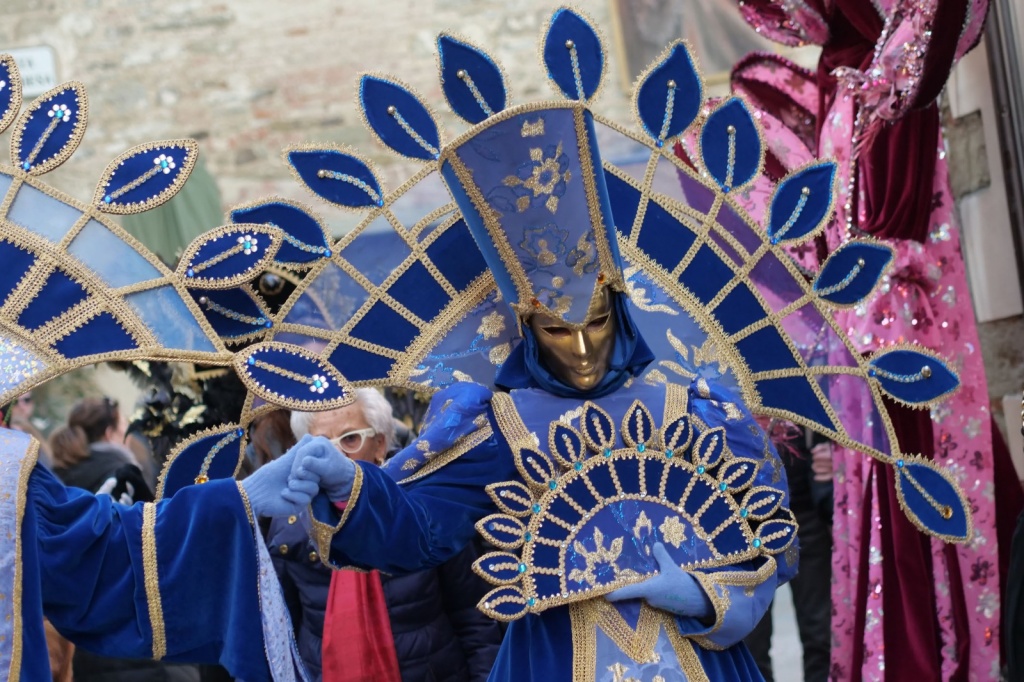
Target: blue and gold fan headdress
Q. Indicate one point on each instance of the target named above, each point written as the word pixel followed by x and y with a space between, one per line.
pixel 533 208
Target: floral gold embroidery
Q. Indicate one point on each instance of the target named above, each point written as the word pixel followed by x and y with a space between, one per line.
pixel 642 523
pixel 492 325
pixel 600 555
pixel 673 531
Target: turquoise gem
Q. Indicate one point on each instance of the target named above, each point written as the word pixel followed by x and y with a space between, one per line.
pixel 700 469
pixel 744 512
pixel 522 568
pixel 107 199
pixel 899 463
pixel 252 360
pixel 552 484
pixel 528 537
pixel 327 253
pixel 607 452
pixel 163 164
pixel 641 447
pixel 577 466
pixel 190 272
pixel 317 383
pixel 59 113
pixel 26 165
pixel 669 453
pixel 268 324
pixel 536 509
pixel 722 486
pixel 756 542
pixel 531 601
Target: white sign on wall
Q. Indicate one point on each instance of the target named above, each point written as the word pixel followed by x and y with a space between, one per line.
pixel 38 68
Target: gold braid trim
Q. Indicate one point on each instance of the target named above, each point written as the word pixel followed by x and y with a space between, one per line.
pixel 152 580
pixel 324 534
pixel 717 585
pixel 28 464
pixel 245 503
pixel 458 449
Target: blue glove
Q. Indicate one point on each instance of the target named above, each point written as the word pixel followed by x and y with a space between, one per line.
pixel 672 589
pixel 268 491
pixel 319 463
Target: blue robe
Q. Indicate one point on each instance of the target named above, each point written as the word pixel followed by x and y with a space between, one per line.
pixel 176 580
pixel 422 506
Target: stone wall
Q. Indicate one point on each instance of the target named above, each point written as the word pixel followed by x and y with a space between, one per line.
pixel 248 78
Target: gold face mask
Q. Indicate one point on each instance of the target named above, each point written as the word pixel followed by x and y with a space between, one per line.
pixel 577 358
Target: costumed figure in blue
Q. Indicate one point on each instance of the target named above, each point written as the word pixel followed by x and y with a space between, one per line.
pixel 599 320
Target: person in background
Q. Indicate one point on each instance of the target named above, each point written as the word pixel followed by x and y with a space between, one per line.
pixel 366 626
pixel 21 420
pixel 89 453
pixel 808 463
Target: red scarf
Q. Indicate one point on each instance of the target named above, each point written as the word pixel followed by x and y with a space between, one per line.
pixel 358 644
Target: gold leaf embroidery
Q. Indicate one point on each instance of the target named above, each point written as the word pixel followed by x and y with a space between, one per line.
pixel 492 325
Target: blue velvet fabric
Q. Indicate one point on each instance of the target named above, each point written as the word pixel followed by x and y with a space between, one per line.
pixel 524 368
pixel 403 527
pixel 485 75
pixel 140 163
pixel 294 221
pixel 82 567
pixel 376 96
pixel 851 272
pixel 39 122
pixel 308 165
pixel 652 96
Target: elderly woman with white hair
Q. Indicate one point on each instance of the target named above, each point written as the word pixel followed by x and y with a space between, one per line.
pixel 366 626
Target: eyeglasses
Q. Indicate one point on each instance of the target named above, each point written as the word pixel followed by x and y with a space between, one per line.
pixel 352 442
pixel 25 400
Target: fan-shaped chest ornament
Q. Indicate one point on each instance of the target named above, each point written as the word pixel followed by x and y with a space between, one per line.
pixel 593 501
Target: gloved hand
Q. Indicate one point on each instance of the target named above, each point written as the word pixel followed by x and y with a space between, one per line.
pixel 672 589
pixel 320 463
pixel 268 491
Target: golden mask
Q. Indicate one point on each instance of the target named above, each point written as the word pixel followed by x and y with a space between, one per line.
pixel 577 357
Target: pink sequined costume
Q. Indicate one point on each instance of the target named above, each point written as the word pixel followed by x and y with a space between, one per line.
pixel 904 606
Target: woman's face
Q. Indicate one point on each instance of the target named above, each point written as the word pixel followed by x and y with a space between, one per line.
pixel 577 357
pixel 344 421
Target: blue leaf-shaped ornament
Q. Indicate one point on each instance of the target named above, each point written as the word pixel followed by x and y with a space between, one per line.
pixel 304 240
pixel 473 84
pixel 398 118
pixel 566 444
pixel 206 456
pixel 535 468
pixel 760 503
pixel 145 176
pixel 504 532
pixel 228 256
pixel 913 376
pixel 638 428
pixel 573 55
pixel 49 130
pixel 930 499
pixel 670 94
pixel 851 272
pixel 10 91
pixel 235 314
pixel 598 429
pixel 802 203
pixel 292 377
pixel 499 568
pixel 677 436
pixel 504 604
pixel 337 176
pixel 511 497
pixel 730 145
pixel 737 474
pixel 708 449
pixel 775 535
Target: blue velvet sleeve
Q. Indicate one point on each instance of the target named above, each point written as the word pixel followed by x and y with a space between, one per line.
pixel 421 508
pixel 176 580
pixel 742 593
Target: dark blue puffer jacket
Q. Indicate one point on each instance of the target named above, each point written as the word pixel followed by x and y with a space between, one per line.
pixel 440 636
